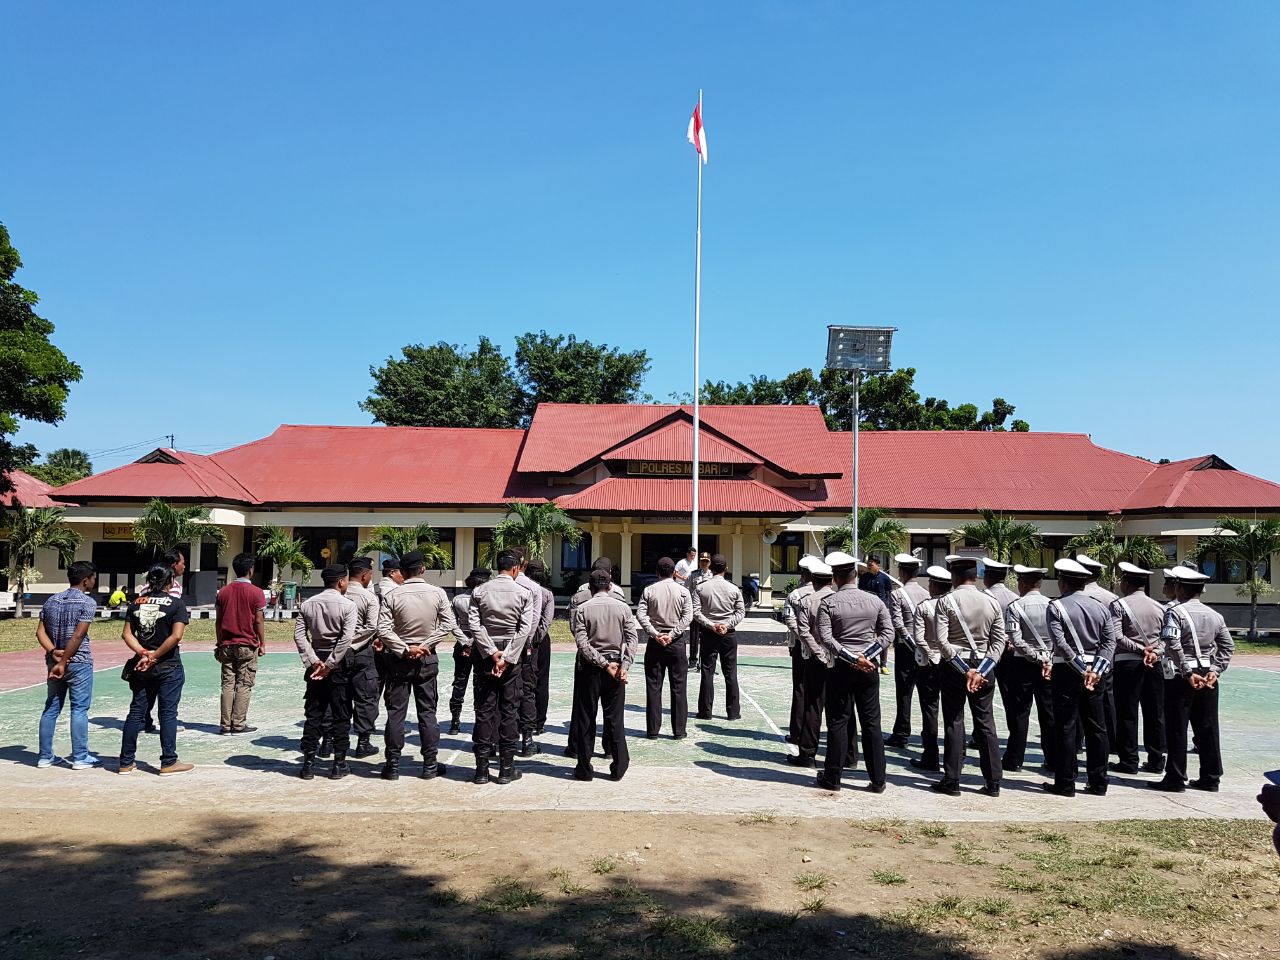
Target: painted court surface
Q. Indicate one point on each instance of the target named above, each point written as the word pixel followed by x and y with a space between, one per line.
pixel 722 767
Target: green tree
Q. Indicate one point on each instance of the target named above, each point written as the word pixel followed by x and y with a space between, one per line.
pixel 445 385
pixel 163 526
pixel 62 466
pixel 32 529
pixel 531 527
pixel 35 376
pixel 1104 543
pixel 878 532
pixel 275 544
pixel 1000 535
pixel 1251 542
pixel 397 541
pixel 568 370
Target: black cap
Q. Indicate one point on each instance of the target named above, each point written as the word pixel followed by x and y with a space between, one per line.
pixel 599 580
pixel 479 573
pixel 389 564
pixel 602 563
pixel 536 565
pixel 666 567
pixel 358 565
pixel 333 573
pixel 415 558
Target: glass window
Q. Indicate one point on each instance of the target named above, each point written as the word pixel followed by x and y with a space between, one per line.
pixel 933 548
pixel 1223 570
pixel 576 556
pixel 484 548
pixel 447 536
pixel 326 545
pixel 785 553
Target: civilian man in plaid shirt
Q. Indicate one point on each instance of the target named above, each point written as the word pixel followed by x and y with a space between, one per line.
pixel 63 632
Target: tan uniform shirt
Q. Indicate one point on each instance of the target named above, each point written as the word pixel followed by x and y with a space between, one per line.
pixel 928 646
pixel 851 620
pixel 1002 595
pixel 583 594
pixel 1092 632
pixel 1141 620
pixel 715 601
pixel 324 628
pixel 461 610
pixel 665 607
pixel 605 631
pixel 1211 634
pixel 417 614
pixel 981 614
pixel 501 612
pixel 904 609
pixel 1027 629
pixel 366 602
pixel 807 620
pixel 790 612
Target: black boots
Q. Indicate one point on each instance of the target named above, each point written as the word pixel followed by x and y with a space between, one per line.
pixel 308 771
pixel 340 768
pixel 364 748
pixel 326 748
pixel 483 751
pixel 391 769
pixel 455 723
pixel 507 771
pixel 431 769
pixel 527 747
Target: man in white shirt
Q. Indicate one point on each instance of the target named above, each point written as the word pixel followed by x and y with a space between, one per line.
pixel 686 566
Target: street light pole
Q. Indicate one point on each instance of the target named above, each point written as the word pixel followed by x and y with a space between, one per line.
pixel 853 518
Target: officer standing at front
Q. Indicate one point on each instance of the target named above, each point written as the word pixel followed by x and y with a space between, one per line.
pixel 581 596
pixel 415 617
pixel 541 653
pixel 927 655
pixel 700 573
pixel 363 668
pixel 1198 648
pixel 462 659
pixel 718 609
pixel 528 721
pixel 500 618
pixel 971 633
pixel 323 631
pixel 904 608
pixel 664 613
pixel 1141 620
pixel 790 610
pixel 854 626
pixel 1028 670
pixel 817 660
pixel 605 632
pixel 1084 635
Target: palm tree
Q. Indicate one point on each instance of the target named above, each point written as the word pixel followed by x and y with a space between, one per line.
pixel 163 526
pixel 397 541
pixel 1251 543
pixel 1000 535
pixel 37 528
pixel 878 532
pixel 531 527
pixel 274 544
pixel 1103 543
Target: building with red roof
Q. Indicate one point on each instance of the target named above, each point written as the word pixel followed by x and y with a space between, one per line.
pixel 773 479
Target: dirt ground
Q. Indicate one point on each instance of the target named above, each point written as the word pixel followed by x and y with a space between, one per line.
pixel 228 884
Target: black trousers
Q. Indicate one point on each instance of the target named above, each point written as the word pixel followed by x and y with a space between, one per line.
pixel 725 649
pixel 326 707
pixel 1074 706
pixel 1025 685
pixel 954 696
pixel 928 684
pixel 497 701
pixel 542 657
pixel 462 666
pixel 695 642
pixel 850 690
pixel 797 693
pixel 529 691
pixel 670 663
pixel 1131 678
pixel 1108 688
pixel 814 699
pixel 593 688
pixel 904 687
pixel 1154 738
pixel 1185 705
pixel 364 691
pixel 419 678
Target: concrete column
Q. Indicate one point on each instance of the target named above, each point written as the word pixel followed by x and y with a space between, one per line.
pixel 735 558
pixel 625 561
pixel 193 561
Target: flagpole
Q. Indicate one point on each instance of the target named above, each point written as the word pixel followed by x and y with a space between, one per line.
pixel 697 337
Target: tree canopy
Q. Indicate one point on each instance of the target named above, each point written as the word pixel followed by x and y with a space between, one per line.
pixel 447 385
pixel 62 466
pixel 886 401
pixel 35 376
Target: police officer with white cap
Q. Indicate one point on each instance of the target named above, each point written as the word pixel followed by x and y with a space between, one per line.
pixel 1084 635
pixel 817 661
pixel 664 614
pixel 1028 671
pixel 994 573
pixel 904 610
pixel 854 626
pixel 928 656
pixel 718 609
pixel 790 609
pixel 1095 589
pixel 1198 648
pixel 971 633
pixel 1141 620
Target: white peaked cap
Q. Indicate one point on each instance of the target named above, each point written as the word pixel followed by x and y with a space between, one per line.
pixel 1187 575
pixel 995 564
pixel 1087 561
pixel 1071 568
pixel 808 560
pixel 839 559
pixel 819 569
pixel 941 574
pixel 906 560
pixel 1127 567
pixel 1019 569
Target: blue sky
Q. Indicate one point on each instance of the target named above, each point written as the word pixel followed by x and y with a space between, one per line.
pixel 231 210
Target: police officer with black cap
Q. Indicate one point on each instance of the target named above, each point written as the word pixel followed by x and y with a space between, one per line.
pixel 927 654
pixel 605 633
pixel 904 608
pixel 718 609
pixel 361 662
pixel 1084 635
pixel 971 633
pixel 664 613
pixel 322 632
pixel 1028 671
pixel 1141 620
pixel 462 659
pixel 817 661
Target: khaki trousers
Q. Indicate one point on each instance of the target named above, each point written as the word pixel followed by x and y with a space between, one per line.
pixel 239 670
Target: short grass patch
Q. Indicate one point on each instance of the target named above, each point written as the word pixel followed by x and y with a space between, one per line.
pixel 603 865
pixel 508 894
pixel 813 904
pixel 935 831
pixel 758 817
pixel 696 933
pixel 811 881
pixel 969 854
pixel 888 878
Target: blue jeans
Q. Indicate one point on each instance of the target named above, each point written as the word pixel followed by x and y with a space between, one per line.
pixel 164 683
pixel 78 681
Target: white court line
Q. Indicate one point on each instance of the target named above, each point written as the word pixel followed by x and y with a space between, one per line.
pixel 791 747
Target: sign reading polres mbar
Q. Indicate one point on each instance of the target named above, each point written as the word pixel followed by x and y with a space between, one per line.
pixel 676 468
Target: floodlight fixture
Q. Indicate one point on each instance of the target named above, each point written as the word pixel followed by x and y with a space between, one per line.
pixel 865 349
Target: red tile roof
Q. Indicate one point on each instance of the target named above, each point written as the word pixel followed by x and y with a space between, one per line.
pixel 29 491
pixel 167 475
pixel 643 495
pixel 1202 483
pixel 675 442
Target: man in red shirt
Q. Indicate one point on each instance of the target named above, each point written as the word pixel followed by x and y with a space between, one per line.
pixel 241 641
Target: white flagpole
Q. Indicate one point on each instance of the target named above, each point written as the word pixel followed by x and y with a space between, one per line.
pixel 697 335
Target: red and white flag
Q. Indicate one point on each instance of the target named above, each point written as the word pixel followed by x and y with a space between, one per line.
pixel 697 135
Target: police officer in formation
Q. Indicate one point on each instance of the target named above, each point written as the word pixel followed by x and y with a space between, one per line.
pixel 665 612
pixel 605 633
pixel 462 660
pixel 927 654
pixel 322 632
pixel 702 572
pixel 1027 664
pixel 817 662
pixel 1137 685
pixel 362 663
pixel 854 626
pixel 538 681
pixel 581 596
pixel 904 612
pixel 795 648
pixel 718 609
